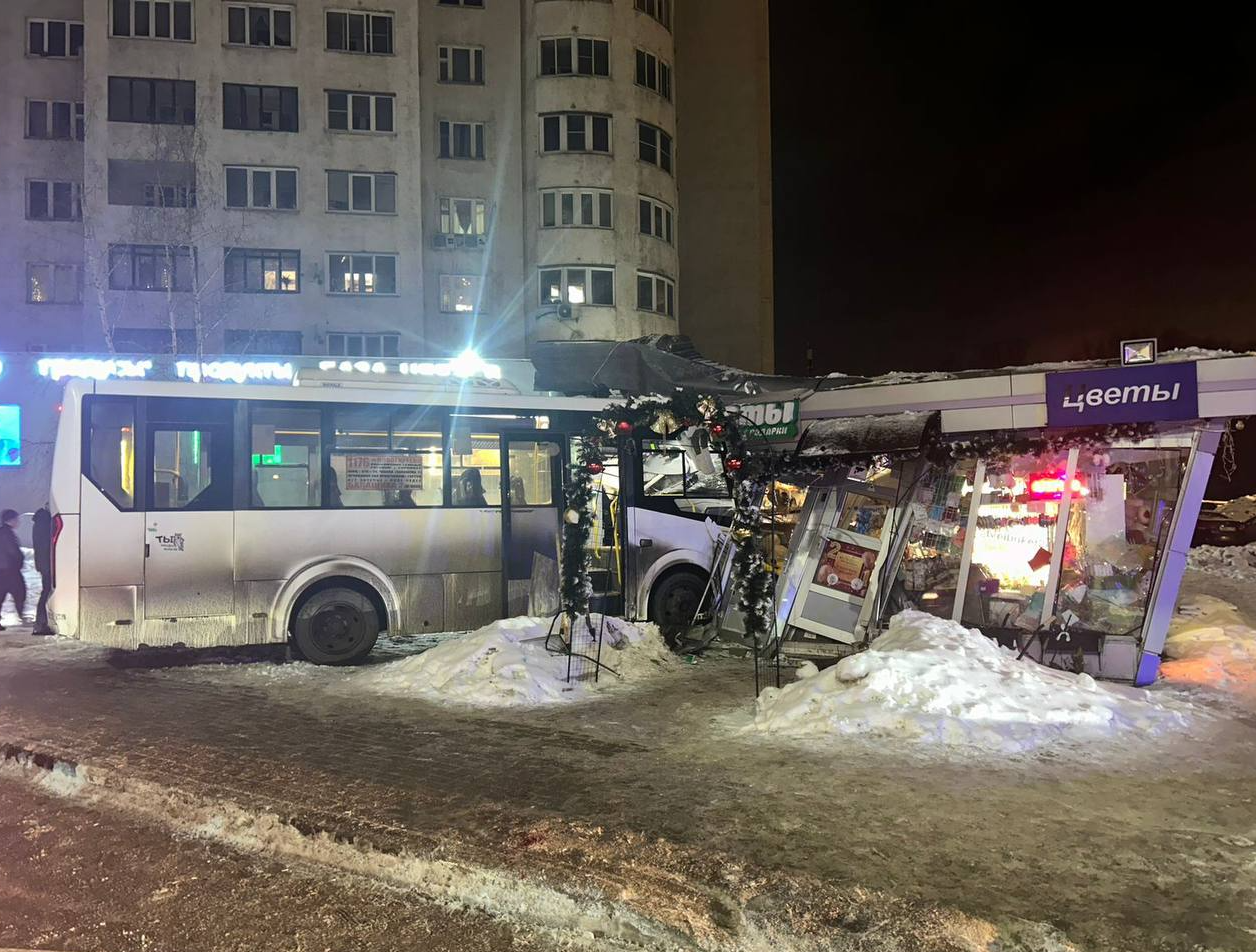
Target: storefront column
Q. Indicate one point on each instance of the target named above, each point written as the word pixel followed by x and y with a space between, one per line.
pixel 970 536
pixel 1173 561
pixel 1061 536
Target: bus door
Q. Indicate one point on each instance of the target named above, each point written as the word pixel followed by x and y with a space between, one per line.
pixel 531 519
pixel 189 529
pixel 844 560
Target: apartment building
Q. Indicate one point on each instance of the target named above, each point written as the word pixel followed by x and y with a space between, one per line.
pixel 352 178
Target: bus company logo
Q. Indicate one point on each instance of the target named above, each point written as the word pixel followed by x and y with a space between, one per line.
pixel 171 543
pixel 1123 395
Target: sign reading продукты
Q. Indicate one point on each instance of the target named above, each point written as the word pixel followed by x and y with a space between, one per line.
pixel 772 421
pixel 1123 395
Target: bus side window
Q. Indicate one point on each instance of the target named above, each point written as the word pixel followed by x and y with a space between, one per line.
pixel 190 468
pixel 109 457
pixel 286 463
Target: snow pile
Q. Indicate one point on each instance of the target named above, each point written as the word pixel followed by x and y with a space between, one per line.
pixel 1210 644
pixel 507 663
pixel 932 679
pixel 1242 509
pixel 1228 561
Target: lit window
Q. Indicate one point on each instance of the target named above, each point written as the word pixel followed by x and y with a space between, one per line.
pixel 10 435
pixel 463 216
pixel 261 271
pixel 460 293
pixel 578 285
pixel 54 284
pixel 361 273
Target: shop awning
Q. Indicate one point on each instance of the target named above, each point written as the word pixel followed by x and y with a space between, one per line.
pixel 650 365
pixel 865 435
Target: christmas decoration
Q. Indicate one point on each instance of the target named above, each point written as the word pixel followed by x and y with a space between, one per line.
pixel 734 463
pixel 718 430
pixel 594 467
pixel 665 423
pixel 623 427
pixel 571 517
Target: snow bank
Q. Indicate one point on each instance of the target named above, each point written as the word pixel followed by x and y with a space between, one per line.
pixel 1210 644
pixel 507 664
pixel 1228 561
pixel 932 679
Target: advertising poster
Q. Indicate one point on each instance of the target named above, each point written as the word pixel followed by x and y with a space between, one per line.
pixel 846 567
pixel 383 472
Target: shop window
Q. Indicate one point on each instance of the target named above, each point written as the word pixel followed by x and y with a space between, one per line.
pixel 286 457
pixel 532 472
pixel 109 453
pixel 10 435
pixel 476 466
pixel 1116 524
pixel 1017 513
pixel 938 523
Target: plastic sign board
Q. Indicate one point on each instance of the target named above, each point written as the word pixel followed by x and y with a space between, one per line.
pixel 1123 395
pixel 770 421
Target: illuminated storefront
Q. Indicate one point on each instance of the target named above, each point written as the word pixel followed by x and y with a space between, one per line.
pixel 1052 510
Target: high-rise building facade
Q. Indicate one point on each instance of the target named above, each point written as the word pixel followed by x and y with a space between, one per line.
pixel 340 178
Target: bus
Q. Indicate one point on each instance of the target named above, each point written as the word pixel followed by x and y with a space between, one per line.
pixel 206 514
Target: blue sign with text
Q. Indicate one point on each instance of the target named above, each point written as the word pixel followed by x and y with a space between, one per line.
pixel 1123 395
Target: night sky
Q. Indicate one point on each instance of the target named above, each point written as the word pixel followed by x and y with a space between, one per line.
pixel 965 185
pixel 959 184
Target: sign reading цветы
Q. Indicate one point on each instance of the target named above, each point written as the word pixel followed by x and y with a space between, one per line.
pixel 772 421
pixel 1123 395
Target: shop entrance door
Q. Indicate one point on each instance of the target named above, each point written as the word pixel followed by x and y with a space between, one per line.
pixel 836 593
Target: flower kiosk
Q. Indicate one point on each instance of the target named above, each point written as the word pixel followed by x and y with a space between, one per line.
pixel 1052 509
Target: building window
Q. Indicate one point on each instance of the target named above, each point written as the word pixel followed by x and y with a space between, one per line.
pixel 578 285
pixel 361 273
pixel 461 64
pixel 656 293
pixel 654 146
pixel 54 38
pixel 53 201
pixel 460 3
pixel 358 32
pixel 575 132
pixel 151 267
pixel 261 188
pixel 363 345
pixel 274 343
pixel 460 293
pixel 360 112
pixel 463 216
pixel 54 119
pixel 261 271
pixel 655 218
pixel 54 284
pixel 575 56
pixel 170 102
pixel 461 140
pixel 661 10
pixel 371 192
pixel 577 208
pixel 154 19
pixel 259 108
pixel 653 73
pixel 157 195
pixel 259 24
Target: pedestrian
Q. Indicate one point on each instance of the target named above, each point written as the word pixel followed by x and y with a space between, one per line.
pixel 41 536
pixel 11 559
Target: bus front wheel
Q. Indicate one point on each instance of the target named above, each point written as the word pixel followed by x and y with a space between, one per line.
pixel 674 602
pixel 335 626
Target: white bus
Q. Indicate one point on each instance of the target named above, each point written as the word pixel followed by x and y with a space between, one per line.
pixel 208 514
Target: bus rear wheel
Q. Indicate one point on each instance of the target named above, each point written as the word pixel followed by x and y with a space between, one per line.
pixel 335 626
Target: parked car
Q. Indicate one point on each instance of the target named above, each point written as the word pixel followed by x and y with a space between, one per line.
pixel 1229 522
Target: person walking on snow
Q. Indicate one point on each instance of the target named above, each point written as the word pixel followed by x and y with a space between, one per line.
pixel 41 538
pixel 11 558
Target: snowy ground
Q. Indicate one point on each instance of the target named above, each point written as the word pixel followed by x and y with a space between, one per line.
pixel 511 663
pixel 932 681
pixel 1225 561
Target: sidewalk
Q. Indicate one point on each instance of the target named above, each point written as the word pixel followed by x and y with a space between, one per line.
pixel 654 799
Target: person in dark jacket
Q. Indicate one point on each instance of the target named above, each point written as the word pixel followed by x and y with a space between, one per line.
pixel 11 558
pixel 41 536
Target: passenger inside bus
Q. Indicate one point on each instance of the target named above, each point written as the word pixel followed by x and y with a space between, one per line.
pixel 469 490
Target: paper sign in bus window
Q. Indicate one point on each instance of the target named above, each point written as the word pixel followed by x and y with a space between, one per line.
pixel 383 472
